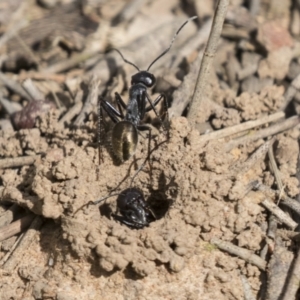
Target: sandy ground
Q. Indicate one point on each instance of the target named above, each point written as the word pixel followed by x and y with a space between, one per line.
pixel 195 189
pixel 199 190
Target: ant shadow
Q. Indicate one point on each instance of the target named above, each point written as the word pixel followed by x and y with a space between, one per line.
pixel 158 200
pixel 105 210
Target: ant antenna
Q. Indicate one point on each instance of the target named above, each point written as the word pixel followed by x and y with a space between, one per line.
pixel 94 202
pixel 174 37
pixel 104 198
pixel 125 60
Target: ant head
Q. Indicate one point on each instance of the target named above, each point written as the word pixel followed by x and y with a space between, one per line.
pixel 143 77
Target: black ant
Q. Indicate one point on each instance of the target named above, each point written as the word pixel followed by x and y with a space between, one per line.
pixel 124 137
pixel 132 208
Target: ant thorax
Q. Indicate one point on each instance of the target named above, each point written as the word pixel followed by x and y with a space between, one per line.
pixel 136 107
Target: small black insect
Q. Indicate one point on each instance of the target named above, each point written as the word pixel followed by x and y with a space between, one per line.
pixel 133 209
pixel 127 118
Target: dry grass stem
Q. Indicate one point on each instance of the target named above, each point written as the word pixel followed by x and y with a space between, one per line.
pixel 91 101
pixel 69 63
pixel 294 280
pixel 285 200
pixel 263 133
pixel 281 215
pixel 24 243
pixel 247 288
pixel 245 254
pixel 18 161
pixel 74 110
pixel 241 127
pixel 15 227
pixel 258 155
pixel 32 90
pixel 15 86
pixel 201 84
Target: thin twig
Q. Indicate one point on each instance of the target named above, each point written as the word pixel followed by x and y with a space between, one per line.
pixel 15 227
pixel 183 94
pixel 294 280
pixel 56 100
pixel 18 161
pixel 290 92
pixel 91 101
pixel 8 215
pixel 258 155
pixel 278 271
pixel 24 244
pixel 272 130
pixel 201 85
pixel 60 78
pixel 274 169
pixel 69 63
pixel 264 251
pixel 248 294
pixel 245 254
pixel 272 227
pixel 281 215
pixel 10 106
pixel 74 110
pixel 288 234
pixel 241 127
pixel 287 201
pixel 32 90
pixel 8 254
pixel 14 86
pixel 10 33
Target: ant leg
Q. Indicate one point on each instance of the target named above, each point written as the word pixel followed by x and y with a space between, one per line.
pixel 165 106
pixel 165 116
pixel 121 104
pixel 143 128
pixel 156 101
pixel 111 111
pixel 101 132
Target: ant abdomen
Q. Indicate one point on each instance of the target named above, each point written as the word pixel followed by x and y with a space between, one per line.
pixel 124 140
